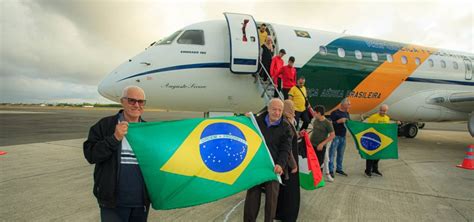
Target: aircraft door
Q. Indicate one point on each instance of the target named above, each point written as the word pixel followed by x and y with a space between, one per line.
pixel 244 43
pixel 468 68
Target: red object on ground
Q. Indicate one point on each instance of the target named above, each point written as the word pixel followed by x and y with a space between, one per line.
pixel 468 162
pixel 3 152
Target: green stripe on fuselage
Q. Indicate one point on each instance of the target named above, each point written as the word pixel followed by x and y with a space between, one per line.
pixel 330 78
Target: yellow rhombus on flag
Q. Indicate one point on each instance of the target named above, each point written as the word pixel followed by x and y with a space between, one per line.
pixel 371 141
pixel 187 159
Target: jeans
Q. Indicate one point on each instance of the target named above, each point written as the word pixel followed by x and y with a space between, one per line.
pixel 339 145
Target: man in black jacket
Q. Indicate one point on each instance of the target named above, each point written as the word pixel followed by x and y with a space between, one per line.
pixel 277 134
pixel 118 182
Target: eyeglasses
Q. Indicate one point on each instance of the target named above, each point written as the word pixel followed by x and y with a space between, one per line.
pixel 132 101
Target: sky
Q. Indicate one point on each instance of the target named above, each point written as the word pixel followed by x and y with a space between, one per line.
pixel 59 50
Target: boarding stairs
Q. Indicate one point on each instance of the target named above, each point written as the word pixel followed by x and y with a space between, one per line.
pixel 266 88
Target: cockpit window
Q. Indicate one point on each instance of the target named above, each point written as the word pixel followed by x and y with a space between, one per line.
pixel 168 40
pixel 192 37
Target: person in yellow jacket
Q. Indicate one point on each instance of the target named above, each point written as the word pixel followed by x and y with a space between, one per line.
pixel 299 97
pixel 262 34
pixel 372 166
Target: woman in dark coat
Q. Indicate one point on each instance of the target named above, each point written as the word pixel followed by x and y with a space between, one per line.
pixel 267 55
pixel 289 196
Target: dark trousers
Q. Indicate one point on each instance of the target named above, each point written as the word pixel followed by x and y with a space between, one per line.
pixel 285 93
pixel 303 116
pixel 320 155
pixel 262 73
pixel 278 84
pixel 252 201
pixel 124 214
pixel 289 199
pixel 371 166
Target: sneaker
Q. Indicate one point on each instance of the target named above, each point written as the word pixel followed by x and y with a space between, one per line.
pixel 377 173
pixel 341 172
pixel 332 174
pixel 368 174
pixel 329 178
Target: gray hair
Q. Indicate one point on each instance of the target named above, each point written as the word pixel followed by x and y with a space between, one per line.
pixel 126 89
pixel 274 99
pixel 345 101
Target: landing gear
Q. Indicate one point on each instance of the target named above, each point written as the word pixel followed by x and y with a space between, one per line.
pixel 408 130
pixel 411 130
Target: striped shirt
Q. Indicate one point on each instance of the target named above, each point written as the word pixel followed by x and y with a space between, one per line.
pixel 131 184
pixel 127 156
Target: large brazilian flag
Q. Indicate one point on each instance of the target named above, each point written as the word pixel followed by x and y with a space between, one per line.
pixel 195 161
pixel 375 140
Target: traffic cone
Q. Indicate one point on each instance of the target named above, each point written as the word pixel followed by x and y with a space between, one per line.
pixel 468 162
pixel 3 152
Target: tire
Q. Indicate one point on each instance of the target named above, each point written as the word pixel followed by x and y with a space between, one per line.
pixel 421 125
pixel 411 130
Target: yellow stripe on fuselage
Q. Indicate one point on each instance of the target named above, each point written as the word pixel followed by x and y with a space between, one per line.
pixel 381 83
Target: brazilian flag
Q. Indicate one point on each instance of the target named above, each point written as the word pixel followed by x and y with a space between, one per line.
pixel 195 161
pixel 375 140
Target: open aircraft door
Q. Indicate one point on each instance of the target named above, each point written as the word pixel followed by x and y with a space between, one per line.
pixel 244 43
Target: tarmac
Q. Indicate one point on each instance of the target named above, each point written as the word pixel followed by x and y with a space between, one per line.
pixel 44 176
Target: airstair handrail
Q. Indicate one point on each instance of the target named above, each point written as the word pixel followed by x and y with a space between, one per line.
pixel 280 95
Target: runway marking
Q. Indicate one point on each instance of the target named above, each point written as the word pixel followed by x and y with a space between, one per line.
pixel 232 210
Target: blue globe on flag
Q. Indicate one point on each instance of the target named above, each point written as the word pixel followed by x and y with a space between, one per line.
pixel 370 141
pixel 222 146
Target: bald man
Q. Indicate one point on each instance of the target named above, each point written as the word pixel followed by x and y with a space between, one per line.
pixel 278 137
pixel 372 166
pixel 118 182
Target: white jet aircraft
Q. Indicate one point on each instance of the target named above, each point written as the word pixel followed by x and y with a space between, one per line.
pixel 208 67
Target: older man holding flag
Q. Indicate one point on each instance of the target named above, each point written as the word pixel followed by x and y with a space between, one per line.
pixel 376 139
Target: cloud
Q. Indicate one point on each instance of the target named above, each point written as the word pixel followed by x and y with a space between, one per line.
pixel 72 45
pixel 38 90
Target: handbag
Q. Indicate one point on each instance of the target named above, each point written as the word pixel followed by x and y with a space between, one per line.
pixel 309 109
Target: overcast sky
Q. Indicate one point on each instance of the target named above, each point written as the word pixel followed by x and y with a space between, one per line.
pixel 59 50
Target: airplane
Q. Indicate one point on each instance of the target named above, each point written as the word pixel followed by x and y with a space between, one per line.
pixel 210 67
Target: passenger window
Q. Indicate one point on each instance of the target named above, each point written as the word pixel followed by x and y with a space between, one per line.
pixel 389 58
pixel 430 61
pixel 192 37
pixel 375 57
pixel 455 65
pixel 443 64
pixel 358 54
pixel 417 61
pixel 404 60
pixel 323 50
pixel 341 52
pixel 169 39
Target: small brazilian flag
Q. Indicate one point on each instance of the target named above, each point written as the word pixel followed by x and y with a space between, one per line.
pixel 195 161
pixel 375 140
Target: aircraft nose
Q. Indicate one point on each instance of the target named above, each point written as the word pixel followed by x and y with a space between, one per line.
pixel 107 90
